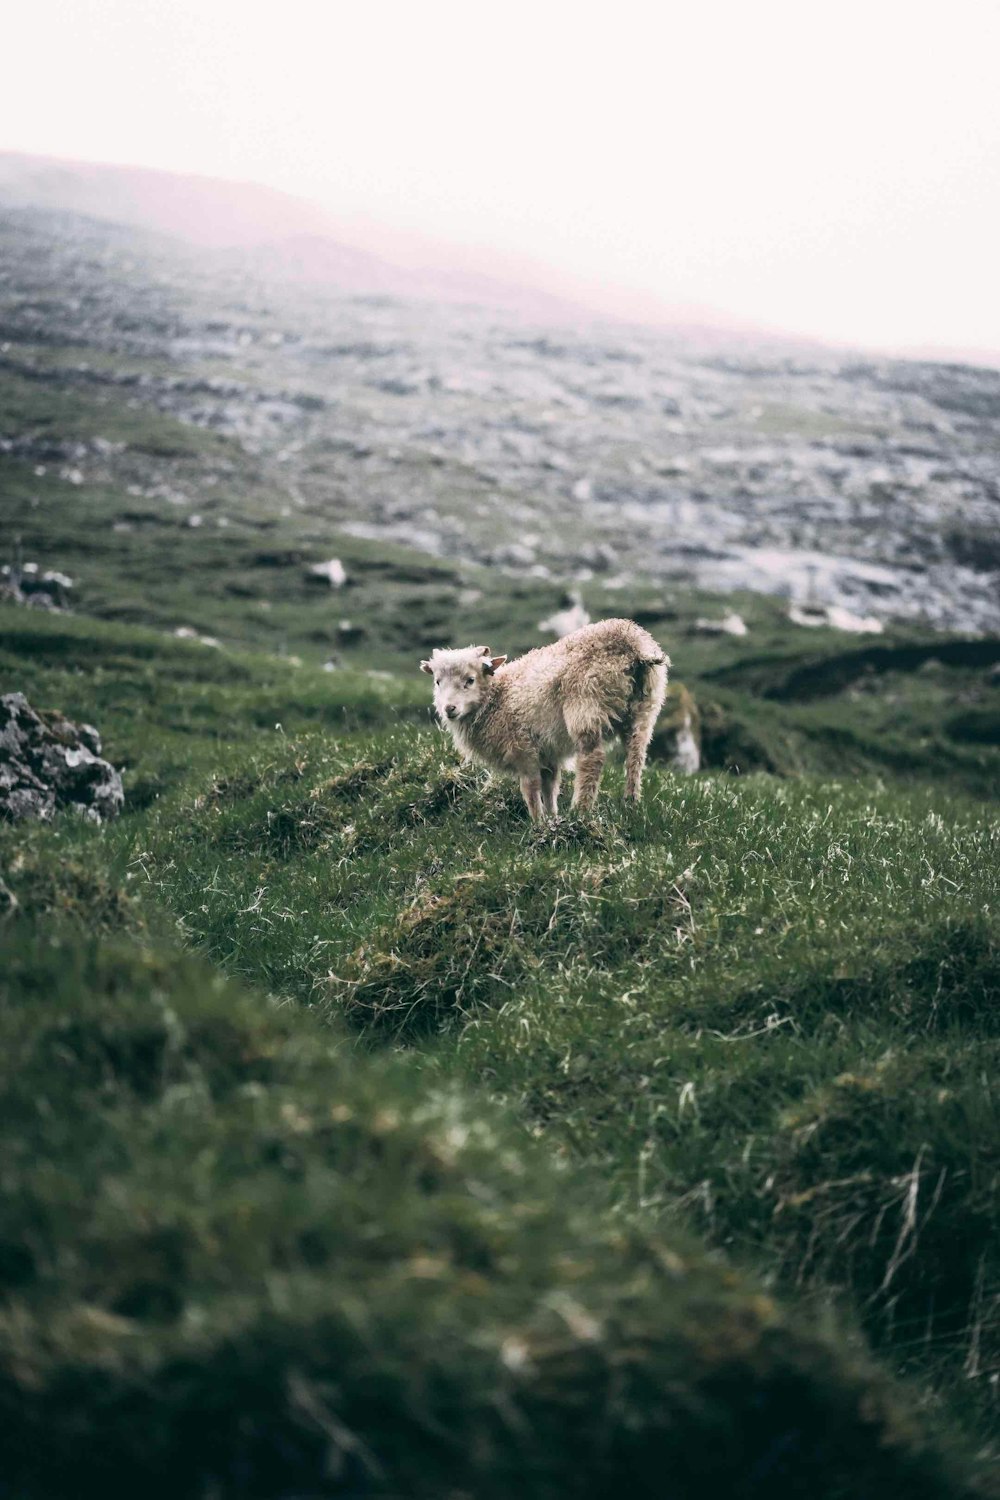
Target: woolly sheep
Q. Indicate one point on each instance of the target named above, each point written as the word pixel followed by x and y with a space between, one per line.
pixel 554 705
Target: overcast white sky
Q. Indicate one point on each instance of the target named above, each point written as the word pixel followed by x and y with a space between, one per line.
pixel 829 169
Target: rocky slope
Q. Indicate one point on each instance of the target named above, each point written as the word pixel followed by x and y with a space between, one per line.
pixel 872 485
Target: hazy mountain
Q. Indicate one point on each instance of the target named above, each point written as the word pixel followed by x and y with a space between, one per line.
pixel 286 237
pixel 271 232
pixel 204 210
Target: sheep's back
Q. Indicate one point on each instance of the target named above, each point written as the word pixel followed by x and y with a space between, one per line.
pixel 582 683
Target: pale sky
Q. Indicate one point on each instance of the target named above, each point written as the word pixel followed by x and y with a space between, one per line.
pixel 831 169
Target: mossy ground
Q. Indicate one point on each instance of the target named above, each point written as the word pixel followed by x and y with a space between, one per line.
pixel 362 1139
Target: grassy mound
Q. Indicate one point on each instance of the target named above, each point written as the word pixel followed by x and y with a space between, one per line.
pixel 884 1183
pixel 239 1258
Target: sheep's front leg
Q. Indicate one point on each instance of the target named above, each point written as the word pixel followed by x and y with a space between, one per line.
pixel 590 756
pixel 550 790
pixel 531 791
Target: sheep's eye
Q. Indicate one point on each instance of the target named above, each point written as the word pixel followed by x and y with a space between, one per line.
pixel 469 681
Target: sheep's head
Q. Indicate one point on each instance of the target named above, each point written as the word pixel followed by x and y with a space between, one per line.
pixel 461 680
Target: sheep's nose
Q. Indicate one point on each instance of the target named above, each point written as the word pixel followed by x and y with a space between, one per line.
pixel 450 710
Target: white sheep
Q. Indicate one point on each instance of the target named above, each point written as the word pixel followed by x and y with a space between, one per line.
pixel 556 704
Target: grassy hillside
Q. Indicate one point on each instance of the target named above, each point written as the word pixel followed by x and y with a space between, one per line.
pixel 360 1139
pixel 501 1157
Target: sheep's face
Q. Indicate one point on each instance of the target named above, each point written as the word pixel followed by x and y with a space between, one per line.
pixel 461 680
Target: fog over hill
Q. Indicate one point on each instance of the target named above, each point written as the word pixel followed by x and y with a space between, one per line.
pixel 281 234
pixel 204 210
pixel 274 233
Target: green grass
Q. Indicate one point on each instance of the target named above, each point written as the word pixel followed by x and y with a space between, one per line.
pixel 915 707
pixel 71 413
pixel 239 1258
pixel 553 1159
pixel 660 994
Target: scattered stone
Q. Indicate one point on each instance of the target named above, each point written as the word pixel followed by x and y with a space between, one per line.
pixel 48 763
pixel 571 616
pixel 185 633
pixel 599 557
pixel 835 617
pixel 514 555
pixel 844 619
pixel 730 624
pixel 332 573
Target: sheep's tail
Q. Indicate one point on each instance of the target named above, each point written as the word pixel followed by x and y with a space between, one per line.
pixel 650 676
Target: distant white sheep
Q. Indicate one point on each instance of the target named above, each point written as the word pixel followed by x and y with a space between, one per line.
pixel 556 704
pixel 572 617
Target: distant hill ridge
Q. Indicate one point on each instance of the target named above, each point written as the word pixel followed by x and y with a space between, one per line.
pixel 288 237
pixel 281 234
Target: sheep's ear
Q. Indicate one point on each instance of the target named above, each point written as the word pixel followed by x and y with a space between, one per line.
pixel 485 651
pixel 489 667
pixel 425 666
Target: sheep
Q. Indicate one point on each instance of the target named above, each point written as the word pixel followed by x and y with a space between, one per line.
pixel 555 705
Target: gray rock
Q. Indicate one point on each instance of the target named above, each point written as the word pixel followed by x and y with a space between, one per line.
pixel 729 624
pixel 513 555
pixel 48 763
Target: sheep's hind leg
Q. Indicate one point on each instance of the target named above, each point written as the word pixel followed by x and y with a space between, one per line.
pixel 550 790
pixel 531 791
pixel 638 736
pixel 639 730
pixel 590 757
